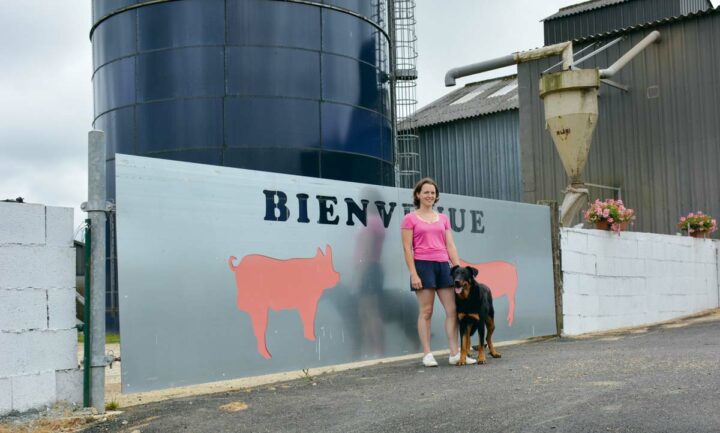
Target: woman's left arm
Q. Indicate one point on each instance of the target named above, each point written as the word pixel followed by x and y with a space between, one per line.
pixel 451 249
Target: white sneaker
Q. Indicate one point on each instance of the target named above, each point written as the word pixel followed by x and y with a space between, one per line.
pixel 429 360
pixel 454 359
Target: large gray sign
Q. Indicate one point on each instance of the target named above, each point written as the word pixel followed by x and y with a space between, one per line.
pixel 225 273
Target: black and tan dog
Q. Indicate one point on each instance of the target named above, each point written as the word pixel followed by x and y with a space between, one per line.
pixel 475 312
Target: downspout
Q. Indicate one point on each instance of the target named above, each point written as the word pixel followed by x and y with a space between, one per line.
pixel 563 49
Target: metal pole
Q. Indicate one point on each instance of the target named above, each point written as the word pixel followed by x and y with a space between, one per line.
pixel 599 50
pixel 96 207
pixel 557 262
pixel 574 54
pixel 86 318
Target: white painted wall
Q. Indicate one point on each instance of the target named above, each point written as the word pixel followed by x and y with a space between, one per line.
pixel 38 339
pixel 633 279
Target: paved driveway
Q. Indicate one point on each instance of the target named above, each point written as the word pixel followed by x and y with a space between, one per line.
pixel 660 379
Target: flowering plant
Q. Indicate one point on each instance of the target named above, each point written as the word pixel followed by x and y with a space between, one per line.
pixel 610 211
pixel 697 222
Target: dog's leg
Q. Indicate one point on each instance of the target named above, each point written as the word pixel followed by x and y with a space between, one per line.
pixel 481 347
pixel 463 338
pixel 484 309
pixel 490 323
pixel 467 336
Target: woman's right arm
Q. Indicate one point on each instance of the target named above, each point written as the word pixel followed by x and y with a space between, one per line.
pixel 407 237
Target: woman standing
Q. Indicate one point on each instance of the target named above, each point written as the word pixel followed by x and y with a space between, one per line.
pixel 428 245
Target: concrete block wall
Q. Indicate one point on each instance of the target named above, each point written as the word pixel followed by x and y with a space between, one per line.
pixel 634 279
pixel 38 339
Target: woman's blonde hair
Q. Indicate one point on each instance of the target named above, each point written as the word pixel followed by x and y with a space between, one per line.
pixel 418 188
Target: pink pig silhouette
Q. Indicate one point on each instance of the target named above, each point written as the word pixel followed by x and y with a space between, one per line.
pixel 265 283
pixel 501 278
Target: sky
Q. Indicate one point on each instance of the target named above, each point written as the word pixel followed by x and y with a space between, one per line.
pixel 46 100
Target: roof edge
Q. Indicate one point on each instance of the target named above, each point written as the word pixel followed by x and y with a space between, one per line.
pixel 648 25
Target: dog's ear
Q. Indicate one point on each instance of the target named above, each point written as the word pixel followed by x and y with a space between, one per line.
pixel 454 268
pixel 473 270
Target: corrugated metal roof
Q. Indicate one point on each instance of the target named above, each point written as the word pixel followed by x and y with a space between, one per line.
pixel 582 7
pixel 475 99
pixel 651 24
pixel 618 16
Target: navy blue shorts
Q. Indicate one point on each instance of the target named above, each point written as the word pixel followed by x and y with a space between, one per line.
pixel 434 275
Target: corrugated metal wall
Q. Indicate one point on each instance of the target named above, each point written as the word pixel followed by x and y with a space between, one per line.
pixel 688 6
pixel 659 142
pixel 477 157
pixel 617 16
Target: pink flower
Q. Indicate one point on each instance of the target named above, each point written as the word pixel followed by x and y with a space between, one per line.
pixel 682 219
pixel 613 211
pixel 690 215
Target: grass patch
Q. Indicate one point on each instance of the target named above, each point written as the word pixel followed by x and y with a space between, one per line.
pixel 110 338
pixel 112 405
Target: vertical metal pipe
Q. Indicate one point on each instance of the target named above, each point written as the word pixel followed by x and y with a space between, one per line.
pixel 557 262
pixel 96 207
pixel 86 318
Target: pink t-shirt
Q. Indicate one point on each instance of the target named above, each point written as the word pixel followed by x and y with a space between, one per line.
pixel 428 238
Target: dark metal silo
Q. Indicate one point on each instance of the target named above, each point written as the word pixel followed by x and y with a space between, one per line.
pixel 296 87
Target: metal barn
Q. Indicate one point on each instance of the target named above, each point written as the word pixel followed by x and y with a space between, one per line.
pixel 657 142
pixel 469 140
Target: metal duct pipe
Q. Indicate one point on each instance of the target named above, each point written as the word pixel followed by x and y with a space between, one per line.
pixel 476 68
pixel 563 49
pixel 634 51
